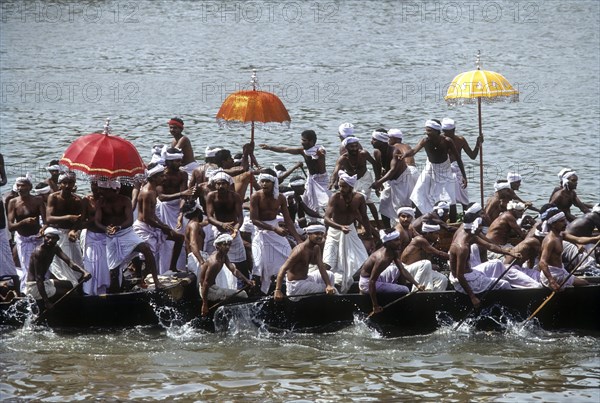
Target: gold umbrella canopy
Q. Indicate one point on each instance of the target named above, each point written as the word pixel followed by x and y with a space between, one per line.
pixel 476 86
pixel 252 106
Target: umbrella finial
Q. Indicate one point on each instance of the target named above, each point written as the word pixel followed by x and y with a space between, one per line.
pixel 478 60
pixel 107 127
pixel 254 80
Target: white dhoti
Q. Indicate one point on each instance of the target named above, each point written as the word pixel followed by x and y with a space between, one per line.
pixel 25 247
pixel 344 253
pixel 363 186
pixel 559 274
pixel 270 251
pixel 435 183
pixel 396 194
pixel 189 169
pixel 7 264
pixel 515 277
pixel 95 262
pixel 533 273
pixel 474 256
pixel 168 212
pixel 423 273
pixel 495 256
pixel 478 281
pixel 385 283
pixel 31 288
pixel 225 278
pixel 237 252
pixel 59 268
pixel 120 248
pixel 572 258
pixel 312 284
pixel 153 236
pixel 316 191
pixel 462 195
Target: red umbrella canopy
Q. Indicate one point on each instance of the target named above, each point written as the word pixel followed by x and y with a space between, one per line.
pixel 103 155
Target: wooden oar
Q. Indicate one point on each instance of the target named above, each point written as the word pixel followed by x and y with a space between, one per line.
pixel 491 287
pixel 563 282
pixel 394 301
pixel 39 318
pixel 228 298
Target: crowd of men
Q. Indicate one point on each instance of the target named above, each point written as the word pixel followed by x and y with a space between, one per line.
pixel 313 231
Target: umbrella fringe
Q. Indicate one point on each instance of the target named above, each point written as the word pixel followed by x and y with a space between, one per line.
pixel 484 99
pixel 230 124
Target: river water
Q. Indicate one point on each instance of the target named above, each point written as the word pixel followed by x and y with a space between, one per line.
pixel 66 66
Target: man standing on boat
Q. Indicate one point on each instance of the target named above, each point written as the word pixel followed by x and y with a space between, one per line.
pixel 317 193
pixel 566 196
pixel 436 181
pixel 64 211
pixel 344 251
pixel 41 284
pixel 25 212
pixel 306 256
pixel 270 247
pixel 181 142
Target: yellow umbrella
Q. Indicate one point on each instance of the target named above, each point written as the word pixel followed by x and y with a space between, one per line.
pixel 477 86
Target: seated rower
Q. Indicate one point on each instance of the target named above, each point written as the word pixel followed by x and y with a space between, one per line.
pixel 438 216
pixel 304 256
pixel 40 283
pixel 377 275
pixel 506 225
pixel 565 197
pixel 212 267
pixel 497 203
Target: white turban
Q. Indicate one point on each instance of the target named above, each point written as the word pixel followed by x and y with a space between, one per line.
pixel 350 180
pixel 157 169
pixel 513 177
pixel 22 179
pixel 346 130
pixel 222 238
pixel 433 125
pixel 498 186
pixel 109 184
pixel 66 175
pixel 397 133
pixel 474 209
pixel 515 205
pixel 41 191
pixel 472 227
pixel 221 176
pixel 349 140
pixel 430 227
pixel 540 233
pixel 380 136
pixel 566 176
pixel 440 206
pixel 211 152
pixel 311 229
pixel 388 237
pixel 52 231
pixel 596 208
pixel 272 179
pixel 173 156
pixel 298 182
pixel 562 172
pixel 448 124
pixel 406 210
pixel 53 168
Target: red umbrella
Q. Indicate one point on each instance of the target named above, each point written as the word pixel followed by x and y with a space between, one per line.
pixel 103 155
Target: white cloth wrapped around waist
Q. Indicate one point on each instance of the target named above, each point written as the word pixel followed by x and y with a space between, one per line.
pixel 312 284
pixel 270 251
pixel 363 185
pixel 25 247
pixel 225 278
pixel 515 277
pixel 396 193
pixel 462 195
pixel 120 247
pixel 59 268
pixel 344 254
pixel 7 264
pixel 423 273
pixel 153 236
pixel 385 283
pixel 316 191
pixel 435 183
pixel 237 252
pixel 478 282
pixel 94 261
pixel 31 288
pixel 559 274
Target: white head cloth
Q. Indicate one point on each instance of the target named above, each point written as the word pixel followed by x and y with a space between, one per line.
pixel 52 231
pixel 406 210
pixel 211 152
pixel 515 205
pixel 396 133
pixel 501 185
pixel 474 209
pixel 173 156
pixel 22 179
pixel 430 227
pixel 566 176
pixel 157 169
pixel 380 136
pixel 448 124
pixel 540 233
pixel 440 206
pixel 312 152
pixel 472 227
pixel 388 237
pixel 221 176
pixel 67 175
pixel 432 124
pixel 562 172
pixel 556 217
pixel 223 238
pixel 311 229
pixel 41 191
pixel 596 208
pixel 272 179
pixel 350 140
pixel 350 180
pixel 298 182
pixel 513 177
pixel 109 184
pixel 346 129
pixel 278 171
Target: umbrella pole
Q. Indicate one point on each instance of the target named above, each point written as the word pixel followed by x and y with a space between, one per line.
pixel 480 151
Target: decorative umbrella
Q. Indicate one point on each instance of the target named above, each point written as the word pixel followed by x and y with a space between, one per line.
pixel 103 155
pixel 475 86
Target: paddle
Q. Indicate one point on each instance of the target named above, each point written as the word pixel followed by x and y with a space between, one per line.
pixel 394 301
pixel 491 287
pixel 230 297
pixel 39 318
pixel 563 282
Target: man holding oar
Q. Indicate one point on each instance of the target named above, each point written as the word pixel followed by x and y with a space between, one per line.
pixel 305 256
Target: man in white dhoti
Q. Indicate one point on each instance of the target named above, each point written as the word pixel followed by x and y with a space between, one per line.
pixel 7 264
pixel 317 193
pixel 295 270
pixel 344 251
pixel 436 181
pixel 270 247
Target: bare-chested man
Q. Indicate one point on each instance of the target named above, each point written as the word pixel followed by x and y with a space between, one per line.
pixel 194 237
pixel 462 195
pixel 24 214
pixel 115 217
pixel 567 197
pixel 436 181
pixel 416 255
pixel 64 211
pixel 439 216
pixel 344 252
pixel 586 224
pixel 305 255
pixel 41 284
pixel 505 225
pixel 317 193
pixel 211 269
pixel 270 246
pixel 515 180
pixel 53 169
pixel 148 226
pixel 474 280
pixel 181 142
pixel 498 202
pixel 377 275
